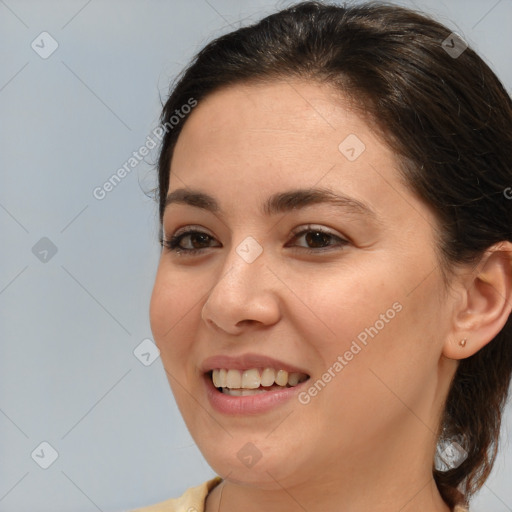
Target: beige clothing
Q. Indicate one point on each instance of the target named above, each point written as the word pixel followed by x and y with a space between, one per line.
pixel 193 500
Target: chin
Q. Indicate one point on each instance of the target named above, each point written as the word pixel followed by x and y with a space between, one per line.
pixel 249 465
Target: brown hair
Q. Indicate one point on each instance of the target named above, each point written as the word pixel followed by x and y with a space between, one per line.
pixel 449 120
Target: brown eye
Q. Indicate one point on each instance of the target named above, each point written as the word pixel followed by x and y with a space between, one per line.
pixel 189 242
pixel 197 240
pixel 317 239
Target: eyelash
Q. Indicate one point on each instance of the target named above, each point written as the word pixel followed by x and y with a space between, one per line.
pixel 173 243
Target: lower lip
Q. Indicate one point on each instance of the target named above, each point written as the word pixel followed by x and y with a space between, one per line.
pixel 251 404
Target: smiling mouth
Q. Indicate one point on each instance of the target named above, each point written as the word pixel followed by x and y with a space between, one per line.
pixel 254 381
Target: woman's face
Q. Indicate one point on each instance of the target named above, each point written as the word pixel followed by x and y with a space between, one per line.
pixel 344 291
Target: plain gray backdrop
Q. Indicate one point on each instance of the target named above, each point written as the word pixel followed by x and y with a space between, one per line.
pixel 76 271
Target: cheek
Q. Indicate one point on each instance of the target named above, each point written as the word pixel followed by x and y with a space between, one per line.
pixel 344 304
pixel 387 356
pixel 374 321
pixel 174 302
pixel 174 317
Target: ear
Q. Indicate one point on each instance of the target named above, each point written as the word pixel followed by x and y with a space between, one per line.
pixel 485 302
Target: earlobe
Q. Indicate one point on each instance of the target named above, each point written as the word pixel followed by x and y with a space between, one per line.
pixel 486 306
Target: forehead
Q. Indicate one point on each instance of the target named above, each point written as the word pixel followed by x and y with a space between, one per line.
pixel 246 142
pixel 274 127
pixel 277 114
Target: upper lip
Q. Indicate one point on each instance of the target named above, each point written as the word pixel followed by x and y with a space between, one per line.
pixel 246 362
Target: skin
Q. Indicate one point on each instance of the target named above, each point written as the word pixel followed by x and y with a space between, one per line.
pixel 367 440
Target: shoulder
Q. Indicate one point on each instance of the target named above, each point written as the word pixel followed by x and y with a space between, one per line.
pixel 192 499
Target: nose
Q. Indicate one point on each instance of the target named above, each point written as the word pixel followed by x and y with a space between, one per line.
pixel 244 296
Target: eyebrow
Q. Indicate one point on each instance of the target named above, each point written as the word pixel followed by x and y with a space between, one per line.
pixel 280 202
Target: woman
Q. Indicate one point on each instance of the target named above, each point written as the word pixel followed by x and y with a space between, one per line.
pixel 332 303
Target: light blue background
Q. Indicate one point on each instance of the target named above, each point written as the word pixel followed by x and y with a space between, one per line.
pixel 68 374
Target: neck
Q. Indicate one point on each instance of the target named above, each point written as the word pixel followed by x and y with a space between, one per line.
pixel 423 495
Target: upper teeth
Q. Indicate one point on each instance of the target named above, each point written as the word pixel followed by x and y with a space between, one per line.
pixel 252 379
